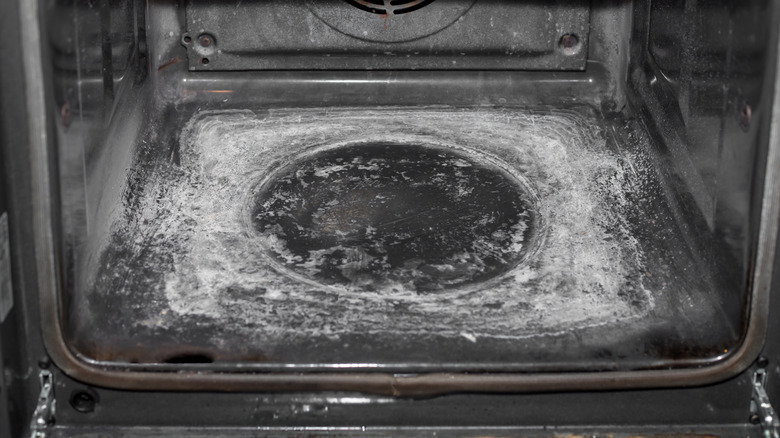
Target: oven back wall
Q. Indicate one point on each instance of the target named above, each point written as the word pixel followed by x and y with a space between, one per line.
pixel 334 34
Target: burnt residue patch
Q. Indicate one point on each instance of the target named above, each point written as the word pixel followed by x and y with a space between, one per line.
pixel 394 217
pixel 578 253
pixel 195 256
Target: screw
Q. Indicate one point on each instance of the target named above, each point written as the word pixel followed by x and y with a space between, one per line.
pixel 754 419
pixel 762 362
pixel 206 40
pixel 83 401
pixel 569 43
pixel 745 114
pixel 44 362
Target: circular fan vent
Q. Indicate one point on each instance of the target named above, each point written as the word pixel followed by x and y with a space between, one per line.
pixel 389 7
pixel 389 21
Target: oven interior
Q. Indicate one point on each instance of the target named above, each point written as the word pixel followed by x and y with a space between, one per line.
pixel 409 186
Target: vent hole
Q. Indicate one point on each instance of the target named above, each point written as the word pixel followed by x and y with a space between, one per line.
pixel 394 7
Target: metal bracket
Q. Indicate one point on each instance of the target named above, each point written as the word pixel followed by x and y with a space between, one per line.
pixel 44 411
pixel 761 407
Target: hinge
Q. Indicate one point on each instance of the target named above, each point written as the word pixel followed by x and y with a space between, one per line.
pixel 44 410
pixel 761 407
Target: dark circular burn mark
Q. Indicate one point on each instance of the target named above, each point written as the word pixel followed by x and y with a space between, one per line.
pixel 395 217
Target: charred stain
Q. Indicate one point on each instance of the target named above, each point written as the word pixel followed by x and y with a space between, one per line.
pixel 378 215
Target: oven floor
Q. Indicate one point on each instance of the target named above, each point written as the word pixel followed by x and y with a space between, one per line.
pixel 408 238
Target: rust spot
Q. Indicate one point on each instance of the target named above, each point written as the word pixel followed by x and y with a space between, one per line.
pixel 65 114
pixel 206 40
pixel 386 16
pixel 169 63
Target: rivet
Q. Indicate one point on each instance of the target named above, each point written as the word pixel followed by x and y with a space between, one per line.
pixel 569 44
pixel 83 401
pixel 206 40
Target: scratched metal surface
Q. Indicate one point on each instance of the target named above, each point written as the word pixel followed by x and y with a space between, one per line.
pixel 254 240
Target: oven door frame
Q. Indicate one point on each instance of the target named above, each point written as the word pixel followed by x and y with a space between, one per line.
pixel 45 239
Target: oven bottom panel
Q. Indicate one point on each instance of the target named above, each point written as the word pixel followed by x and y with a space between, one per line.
pixel 393 238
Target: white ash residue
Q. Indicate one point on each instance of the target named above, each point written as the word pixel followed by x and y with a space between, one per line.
pixel 585 272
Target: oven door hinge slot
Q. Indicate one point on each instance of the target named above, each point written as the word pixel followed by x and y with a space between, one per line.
pixel 761 407
pixel 44 411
